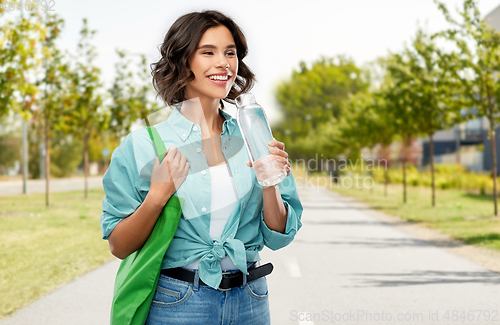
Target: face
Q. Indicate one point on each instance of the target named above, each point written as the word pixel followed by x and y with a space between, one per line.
pixel 214 65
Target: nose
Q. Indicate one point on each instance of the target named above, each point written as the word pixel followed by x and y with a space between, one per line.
pixel 222 62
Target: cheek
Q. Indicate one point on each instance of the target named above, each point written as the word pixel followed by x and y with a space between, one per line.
pixel 236 65
pixel 235 70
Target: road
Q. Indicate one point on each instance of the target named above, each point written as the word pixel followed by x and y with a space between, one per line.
pixel 56 185
pixel 344 267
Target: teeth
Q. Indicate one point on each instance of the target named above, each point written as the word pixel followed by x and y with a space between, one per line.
pixel 219 77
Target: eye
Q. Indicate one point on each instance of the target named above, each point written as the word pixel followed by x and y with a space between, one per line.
pixel 231 53
pixel 208 53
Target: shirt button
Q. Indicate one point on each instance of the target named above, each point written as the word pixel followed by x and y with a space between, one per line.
pixel 203 209
pixel 203 172
pixel 198 150
pixel 184 135
pixel 195 128
pixel 225 147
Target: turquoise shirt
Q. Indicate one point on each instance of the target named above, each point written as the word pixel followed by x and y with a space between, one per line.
pixel 127 180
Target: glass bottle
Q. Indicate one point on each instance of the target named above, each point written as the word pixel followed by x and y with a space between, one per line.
pixel 257 134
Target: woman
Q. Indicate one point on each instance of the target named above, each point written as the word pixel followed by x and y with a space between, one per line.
pixel 210 272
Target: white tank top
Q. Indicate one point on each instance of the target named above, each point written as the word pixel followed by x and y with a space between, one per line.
pixel 224 199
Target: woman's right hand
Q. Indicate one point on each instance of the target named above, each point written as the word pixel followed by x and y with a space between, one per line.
pixel 168 176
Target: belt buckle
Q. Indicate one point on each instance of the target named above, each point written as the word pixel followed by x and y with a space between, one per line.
pixel 223 275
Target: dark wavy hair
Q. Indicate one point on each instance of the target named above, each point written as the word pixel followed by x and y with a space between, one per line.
pixel 172 73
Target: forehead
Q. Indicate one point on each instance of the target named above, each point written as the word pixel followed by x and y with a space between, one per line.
pixel 219 36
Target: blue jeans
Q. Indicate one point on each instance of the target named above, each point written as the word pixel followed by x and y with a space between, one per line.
pixel 179 302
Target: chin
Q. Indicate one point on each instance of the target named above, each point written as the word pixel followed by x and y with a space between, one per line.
pixel 219 94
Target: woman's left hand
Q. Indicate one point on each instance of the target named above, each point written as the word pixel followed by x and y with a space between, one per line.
pixel 280 154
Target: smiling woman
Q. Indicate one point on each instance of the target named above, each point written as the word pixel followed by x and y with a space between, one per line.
pixel 210 273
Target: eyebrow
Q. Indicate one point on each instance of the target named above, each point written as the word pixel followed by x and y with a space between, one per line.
pixel 210 46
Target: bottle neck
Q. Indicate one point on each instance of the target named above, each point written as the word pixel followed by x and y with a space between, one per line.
pixel 245 100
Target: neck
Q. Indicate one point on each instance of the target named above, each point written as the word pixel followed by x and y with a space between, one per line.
pixel 205 113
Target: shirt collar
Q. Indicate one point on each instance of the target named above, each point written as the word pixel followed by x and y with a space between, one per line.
pixel 183 127
pixel 230 122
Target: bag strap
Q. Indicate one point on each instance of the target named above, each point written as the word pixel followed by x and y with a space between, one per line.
pixel 157 142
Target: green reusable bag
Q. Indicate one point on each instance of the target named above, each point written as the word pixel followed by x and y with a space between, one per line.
pixel 138 275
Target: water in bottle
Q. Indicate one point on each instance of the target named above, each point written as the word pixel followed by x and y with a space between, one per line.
pixel 257 134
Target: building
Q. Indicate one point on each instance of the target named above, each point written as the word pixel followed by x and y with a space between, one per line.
pixel 468 143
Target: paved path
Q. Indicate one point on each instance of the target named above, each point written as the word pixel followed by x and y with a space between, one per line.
pixel 86 300
pixel 344 267
pixel 56 185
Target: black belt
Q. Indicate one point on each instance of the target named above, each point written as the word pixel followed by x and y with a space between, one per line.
pixel 229 281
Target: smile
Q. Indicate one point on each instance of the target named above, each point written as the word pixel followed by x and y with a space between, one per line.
pixel 219 77
pixel 220 80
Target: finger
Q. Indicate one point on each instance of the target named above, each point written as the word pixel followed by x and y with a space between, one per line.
pixel 279 152
pixel 172 151
pixel 249 163
pixel 183 160
pixel 276 143
pixel 281 160
pixel 177 154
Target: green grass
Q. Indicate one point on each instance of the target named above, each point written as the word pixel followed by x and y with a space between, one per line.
pixel 42 248
pixel 465 216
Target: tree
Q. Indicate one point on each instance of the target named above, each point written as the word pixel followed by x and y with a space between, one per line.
pixel 85 114
pixel 368 124
pixel 132 94
pixel 54 81
pixel 478 67
pixel 434 95
pixel 396 89
pixel 19 57
pixel 312 103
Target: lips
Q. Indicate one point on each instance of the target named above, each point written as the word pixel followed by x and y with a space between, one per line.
pixel 220 79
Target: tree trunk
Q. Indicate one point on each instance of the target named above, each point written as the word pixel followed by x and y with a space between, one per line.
pixel 404 180
pixel 431 148
pixel 371 171
pixel 25 156
pixel 47 162
pixel 494 169
pixel 386 182
pixel 86 163
pixel 405 158
pixel 385 154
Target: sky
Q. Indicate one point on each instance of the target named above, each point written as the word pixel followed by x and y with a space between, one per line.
pixel 280 33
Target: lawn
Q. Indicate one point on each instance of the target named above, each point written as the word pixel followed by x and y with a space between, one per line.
pixel 42 248
pixel 465 216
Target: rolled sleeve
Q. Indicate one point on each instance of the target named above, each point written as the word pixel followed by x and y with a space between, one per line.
pixel 276 240
pixel 119 182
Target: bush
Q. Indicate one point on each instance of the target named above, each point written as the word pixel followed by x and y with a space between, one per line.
pixel 446 176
